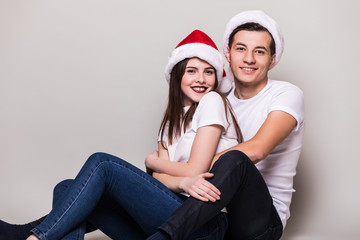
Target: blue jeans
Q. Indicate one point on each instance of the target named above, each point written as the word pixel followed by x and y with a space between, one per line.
pixel 120 199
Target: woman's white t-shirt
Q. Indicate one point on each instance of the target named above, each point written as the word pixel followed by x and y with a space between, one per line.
pixel 210 111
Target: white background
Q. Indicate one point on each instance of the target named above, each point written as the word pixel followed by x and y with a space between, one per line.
pixel 81 76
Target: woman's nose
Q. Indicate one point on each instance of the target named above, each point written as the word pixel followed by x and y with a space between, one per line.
pixel 201 78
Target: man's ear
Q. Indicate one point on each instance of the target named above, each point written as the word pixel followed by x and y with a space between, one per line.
pixel 228 54
pixel 273 61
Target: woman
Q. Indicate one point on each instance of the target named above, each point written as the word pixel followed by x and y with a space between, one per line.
pixel 123 201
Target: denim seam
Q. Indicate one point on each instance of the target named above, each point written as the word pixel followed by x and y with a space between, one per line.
pixel 39 234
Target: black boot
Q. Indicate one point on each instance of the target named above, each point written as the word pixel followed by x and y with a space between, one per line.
pixel 17 231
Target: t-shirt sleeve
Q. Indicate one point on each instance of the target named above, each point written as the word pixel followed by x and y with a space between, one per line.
pixel 210 111
pixel 290 99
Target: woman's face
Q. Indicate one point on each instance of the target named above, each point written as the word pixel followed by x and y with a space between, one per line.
pixel 198 79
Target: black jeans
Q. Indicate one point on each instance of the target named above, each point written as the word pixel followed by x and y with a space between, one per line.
pixel 251 214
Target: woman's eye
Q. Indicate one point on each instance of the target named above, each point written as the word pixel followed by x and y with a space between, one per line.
pixel 190 71
pixel 210 72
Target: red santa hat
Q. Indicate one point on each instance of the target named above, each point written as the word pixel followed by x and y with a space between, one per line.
pixel 198 44
pixel 256 16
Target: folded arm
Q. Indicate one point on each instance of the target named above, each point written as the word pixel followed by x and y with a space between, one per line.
pixel 202 153
pixel 189 177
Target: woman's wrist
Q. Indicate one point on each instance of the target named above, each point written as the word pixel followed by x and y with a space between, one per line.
pixel 183 184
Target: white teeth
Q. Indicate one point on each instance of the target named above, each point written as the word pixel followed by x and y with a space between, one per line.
pixel 199 89
pixel 248 69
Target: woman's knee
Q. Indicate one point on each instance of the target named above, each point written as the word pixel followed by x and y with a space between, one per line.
pixel 97 159
pixel 60 190
pixel 104 161
pixel 62 186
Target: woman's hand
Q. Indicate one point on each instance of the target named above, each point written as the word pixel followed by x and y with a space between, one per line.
pixel 198 187
pixel 151 159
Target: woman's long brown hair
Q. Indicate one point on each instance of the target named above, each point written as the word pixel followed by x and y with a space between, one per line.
pixel 174 113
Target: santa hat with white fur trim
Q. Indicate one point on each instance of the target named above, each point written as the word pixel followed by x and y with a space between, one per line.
pixel 256 16
pixel 198 44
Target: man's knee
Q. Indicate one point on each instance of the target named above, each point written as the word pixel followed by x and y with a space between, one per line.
pixel 233 158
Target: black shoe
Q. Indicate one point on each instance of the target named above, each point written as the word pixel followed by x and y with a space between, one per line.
pixel 17 231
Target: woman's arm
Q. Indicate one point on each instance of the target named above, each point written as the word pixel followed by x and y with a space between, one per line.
pixel 201 156
pixel 197 187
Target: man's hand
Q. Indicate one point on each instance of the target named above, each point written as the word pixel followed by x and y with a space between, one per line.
pixel 199 188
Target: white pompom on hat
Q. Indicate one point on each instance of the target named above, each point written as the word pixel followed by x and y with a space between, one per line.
pixel 255 16
pixel 198 44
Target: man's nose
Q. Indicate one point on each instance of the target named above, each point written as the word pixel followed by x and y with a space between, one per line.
pixel 249 57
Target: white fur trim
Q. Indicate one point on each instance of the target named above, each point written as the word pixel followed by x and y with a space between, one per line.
pixel 226 84
pixel 256 16
pixel 202 51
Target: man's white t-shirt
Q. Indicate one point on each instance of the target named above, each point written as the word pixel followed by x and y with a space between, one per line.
pixel 279 167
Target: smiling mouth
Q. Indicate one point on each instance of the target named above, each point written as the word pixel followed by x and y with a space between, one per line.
pixel 247 69
pixel 199 89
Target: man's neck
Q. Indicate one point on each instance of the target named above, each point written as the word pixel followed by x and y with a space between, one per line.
pixel 245 91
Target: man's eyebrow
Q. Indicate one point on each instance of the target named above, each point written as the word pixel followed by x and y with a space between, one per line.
pixel 263 48
pixel 239 43
pixel 243 44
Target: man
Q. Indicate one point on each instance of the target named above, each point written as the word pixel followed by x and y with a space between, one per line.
pixel 256 181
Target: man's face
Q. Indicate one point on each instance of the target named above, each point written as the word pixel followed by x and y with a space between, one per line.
pixel 250 58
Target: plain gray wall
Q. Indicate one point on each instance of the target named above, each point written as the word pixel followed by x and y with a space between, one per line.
pixel 81 76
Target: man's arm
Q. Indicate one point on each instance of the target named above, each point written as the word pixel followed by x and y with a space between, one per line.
pixel 277 126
